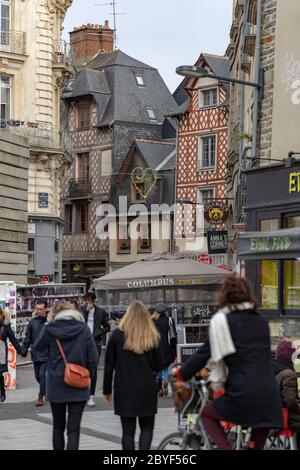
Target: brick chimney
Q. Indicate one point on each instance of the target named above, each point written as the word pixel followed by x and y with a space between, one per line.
pixel 89 39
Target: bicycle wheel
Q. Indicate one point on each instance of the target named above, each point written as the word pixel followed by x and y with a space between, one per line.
pixel 176 440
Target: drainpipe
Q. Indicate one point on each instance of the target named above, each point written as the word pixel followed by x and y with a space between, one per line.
pixel 256 92
pixel 242 101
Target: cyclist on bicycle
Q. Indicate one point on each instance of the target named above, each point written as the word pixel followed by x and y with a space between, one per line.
pixel 238 352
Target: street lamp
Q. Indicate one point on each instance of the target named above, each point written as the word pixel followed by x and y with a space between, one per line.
pixel 194 71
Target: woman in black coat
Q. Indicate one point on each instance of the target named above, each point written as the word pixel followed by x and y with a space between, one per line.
pixel 6 333
pixel 133 356
pixel 252 397
pixel 68 326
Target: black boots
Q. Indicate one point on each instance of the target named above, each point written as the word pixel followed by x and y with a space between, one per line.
pixel 2 389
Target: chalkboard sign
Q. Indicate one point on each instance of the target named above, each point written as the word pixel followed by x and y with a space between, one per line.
pixel 185 351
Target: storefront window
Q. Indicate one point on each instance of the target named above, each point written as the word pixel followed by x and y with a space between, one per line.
pixel 269 272
pixel 291 286
pixel 269 284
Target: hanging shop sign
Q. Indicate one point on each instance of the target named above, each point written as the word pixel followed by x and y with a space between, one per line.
pixel 216 211
pixel 217 242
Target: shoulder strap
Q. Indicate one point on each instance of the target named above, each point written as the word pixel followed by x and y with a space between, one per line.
pixel 61 351
pixel 1 332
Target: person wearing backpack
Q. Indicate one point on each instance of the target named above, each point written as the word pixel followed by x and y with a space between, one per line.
pixel 166 327
pixel 69 327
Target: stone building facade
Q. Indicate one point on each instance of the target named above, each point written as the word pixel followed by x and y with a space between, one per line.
pixel 14 160
pixel 263 125
pixel 34 64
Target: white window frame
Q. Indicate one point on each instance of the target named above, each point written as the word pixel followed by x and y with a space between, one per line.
pixel 200 221
pixel 139 80
pixel 201 138
pixel 201 92
pixel 151 113
pixel 7 118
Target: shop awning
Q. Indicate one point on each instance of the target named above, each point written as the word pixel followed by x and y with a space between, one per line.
pixel 161 271
pixel 280 244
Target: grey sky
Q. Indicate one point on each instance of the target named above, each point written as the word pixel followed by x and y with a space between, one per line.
pixel 161 33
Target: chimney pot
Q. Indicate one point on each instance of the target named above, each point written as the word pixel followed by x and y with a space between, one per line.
pixel 106 24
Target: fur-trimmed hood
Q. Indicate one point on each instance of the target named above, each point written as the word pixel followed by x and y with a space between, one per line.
pixel 69 315
pixel 66 325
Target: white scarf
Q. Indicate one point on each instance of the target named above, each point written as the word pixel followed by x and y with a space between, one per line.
pixel 221 344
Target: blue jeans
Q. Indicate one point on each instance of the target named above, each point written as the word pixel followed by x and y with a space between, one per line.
pixel 40 369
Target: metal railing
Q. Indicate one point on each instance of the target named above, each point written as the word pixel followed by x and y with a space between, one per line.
pixel 39 134
pixel 79 188
pixel 13 41
pixel 62 53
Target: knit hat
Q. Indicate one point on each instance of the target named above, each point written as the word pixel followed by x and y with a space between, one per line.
pixel 285 351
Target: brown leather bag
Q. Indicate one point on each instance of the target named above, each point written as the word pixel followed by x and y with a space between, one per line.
pixel 75 375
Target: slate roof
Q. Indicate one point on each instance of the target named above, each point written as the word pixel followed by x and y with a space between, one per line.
pixel 155 153
pixel 110 79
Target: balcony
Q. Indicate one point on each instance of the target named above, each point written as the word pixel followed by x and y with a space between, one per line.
pixel 39 135
pixel 62 55
pixel 250 38
pixel 80 188
pixel 13 42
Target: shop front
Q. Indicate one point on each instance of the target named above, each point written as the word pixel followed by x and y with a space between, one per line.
pixel 188 288
pixel 271 244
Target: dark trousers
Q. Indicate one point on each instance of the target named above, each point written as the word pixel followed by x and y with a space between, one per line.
pixel 211 422
pixel 40 369
pixel 75 411
pixel 128 432
pixel 94 377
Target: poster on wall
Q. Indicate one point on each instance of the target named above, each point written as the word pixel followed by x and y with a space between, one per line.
pixel 8 303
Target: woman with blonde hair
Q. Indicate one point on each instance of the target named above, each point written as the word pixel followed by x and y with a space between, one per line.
pixel 134 356
pixel 6 333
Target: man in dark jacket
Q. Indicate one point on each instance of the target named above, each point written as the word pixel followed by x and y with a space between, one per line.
pixel 287 379
pixel 97 321
pixel 39 358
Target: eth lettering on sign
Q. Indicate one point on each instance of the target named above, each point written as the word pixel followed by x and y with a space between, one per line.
pixel 294 186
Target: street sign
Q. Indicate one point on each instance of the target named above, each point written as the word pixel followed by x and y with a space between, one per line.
pixel 204 258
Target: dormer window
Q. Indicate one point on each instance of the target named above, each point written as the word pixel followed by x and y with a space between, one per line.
pixel 151 114
pixel 84 116
pixel 139 79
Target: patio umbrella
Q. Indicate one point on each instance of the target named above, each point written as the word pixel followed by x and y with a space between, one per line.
pixel 162 270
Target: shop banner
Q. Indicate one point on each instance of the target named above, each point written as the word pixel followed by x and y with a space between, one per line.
pixel 8 302
pixel 217 242
pixel 280 244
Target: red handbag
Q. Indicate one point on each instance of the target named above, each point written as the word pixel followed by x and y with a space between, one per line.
pixel 75 376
